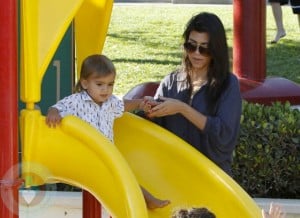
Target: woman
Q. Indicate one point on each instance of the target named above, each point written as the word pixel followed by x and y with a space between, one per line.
pixel 201 101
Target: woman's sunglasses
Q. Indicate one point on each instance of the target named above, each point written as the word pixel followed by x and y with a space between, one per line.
pixel 190 47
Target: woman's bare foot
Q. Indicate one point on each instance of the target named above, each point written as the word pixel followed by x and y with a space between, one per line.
pixel 278 36
pixel 153 202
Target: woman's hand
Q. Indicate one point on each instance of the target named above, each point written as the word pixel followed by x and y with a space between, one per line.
pixel 171 106
pixel 166 106
pixel 148 103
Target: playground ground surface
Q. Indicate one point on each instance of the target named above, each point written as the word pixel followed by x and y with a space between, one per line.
pixel 69 205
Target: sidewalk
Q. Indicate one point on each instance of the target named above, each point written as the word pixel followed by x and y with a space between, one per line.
pixel 69 205
pixel 177 1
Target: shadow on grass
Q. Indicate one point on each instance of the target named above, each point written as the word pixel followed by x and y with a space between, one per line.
pixel 283 59
pixel 145 61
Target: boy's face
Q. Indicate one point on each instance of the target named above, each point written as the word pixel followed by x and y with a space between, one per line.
pixel 100 88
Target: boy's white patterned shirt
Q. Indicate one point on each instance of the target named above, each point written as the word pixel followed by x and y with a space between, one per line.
pixel 101 117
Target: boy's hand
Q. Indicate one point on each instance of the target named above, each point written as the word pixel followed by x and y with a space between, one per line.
pixel 53 118
pixel 151 101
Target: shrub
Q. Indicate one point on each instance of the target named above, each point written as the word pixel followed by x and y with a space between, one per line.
pixel 267 157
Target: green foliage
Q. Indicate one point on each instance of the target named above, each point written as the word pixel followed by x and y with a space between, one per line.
pixel 267 157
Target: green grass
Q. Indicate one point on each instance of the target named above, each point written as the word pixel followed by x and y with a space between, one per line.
pixel 144 41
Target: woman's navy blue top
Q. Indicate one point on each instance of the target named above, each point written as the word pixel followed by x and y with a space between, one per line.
pixel 219 137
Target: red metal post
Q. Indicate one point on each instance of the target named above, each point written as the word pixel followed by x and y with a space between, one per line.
pixel 9 181
pixel 249 57
pixel 249 49
pixel 91 208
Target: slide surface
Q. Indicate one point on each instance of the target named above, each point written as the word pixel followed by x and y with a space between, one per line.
pixel 145 154
pixel 171 169
pixel 76 153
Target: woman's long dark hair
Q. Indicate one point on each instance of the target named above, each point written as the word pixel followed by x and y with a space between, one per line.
pixel 219 68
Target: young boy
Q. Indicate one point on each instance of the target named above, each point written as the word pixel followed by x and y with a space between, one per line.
pixel 95 103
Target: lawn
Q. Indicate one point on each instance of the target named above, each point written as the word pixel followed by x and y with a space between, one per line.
pixel 144 41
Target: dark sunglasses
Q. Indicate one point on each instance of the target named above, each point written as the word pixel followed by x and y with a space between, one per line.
pixel 190 47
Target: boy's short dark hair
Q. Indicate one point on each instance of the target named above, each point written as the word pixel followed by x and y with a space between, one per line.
pixel 201 212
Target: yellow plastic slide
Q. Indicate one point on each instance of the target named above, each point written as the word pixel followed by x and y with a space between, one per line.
pixel 77 154
pixel 171 169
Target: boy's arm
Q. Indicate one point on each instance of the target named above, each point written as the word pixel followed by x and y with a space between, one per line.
pixel 145 104
pixel 53 117
pixel 133 104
